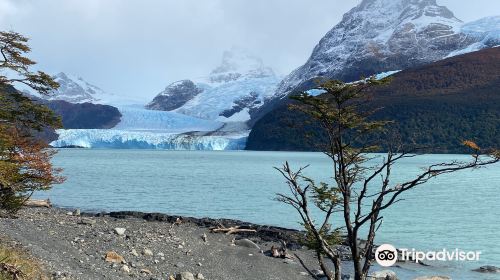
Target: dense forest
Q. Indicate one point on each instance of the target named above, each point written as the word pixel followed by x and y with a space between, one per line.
pixel 435 106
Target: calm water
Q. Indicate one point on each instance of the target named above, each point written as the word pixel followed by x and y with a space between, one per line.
pixel 460 210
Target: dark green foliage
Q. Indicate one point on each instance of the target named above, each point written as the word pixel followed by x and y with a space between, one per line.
pixel 436 106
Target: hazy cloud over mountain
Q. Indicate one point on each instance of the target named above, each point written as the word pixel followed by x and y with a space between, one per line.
pixel 138 47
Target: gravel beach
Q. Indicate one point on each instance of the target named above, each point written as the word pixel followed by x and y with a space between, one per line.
pixel 70 246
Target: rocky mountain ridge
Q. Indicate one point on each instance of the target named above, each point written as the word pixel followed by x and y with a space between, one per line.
pixel 384 35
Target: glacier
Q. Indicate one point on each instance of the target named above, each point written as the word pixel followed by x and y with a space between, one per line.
pixel 140 128
pixel 137 118
pixel 129 139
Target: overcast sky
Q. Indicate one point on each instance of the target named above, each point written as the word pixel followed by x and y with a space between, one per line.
pixel 137 47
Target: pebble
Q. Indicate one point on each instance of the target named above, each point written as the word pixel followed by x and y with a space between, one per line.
pixel 179 265
pixel 76 212
pixel 125 268
pixel 200 276
pixel 114 257
pixel 119 231
pixel 87 221
pixel 185 276
pixel 134 253
pixel 147 252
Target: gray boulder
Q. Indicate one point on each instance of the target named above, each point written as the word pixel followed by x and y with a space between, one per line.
pixel 487 269
pixel 383 275
pixel 246 243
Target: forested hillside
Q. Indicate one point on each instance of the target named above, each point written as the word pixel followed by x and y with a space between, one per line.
pixel 437 105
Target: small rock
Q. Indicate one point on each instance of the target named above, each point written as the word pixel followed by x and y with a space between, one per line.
pixel 199 264
pixel 160 254
pixel 119 231
pixel 69 213
pixel 204 237
pixel 383 275
pixel 185 276
pixel 76 212
pixel 433 278
pixel 180 246
pixel 147 252
pixel 200 276
pixel 246 243
pixel 156 261
pixel 134 253
pixel 146 271
pixel 113 257
pixel 317 272
pixel 125 269
pixel 87 221
pixel 487 269
pixel 179 265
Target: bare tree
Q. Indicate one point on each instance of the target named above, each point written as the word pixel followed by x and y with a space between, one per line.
pixel 360 190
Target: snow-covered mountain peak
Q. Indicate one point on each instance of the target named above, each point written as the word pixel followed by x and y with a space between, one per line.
pixel 76 90
pixel 237 63
pixel 231 93
pixel 383 35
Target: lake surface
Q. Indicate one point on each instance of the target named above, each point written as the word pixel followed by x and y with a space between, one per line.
pixel 458 210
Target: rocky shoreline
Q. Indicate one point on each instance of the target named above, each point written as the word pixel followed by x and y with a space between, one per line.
pixel 136 245
pixel 133 245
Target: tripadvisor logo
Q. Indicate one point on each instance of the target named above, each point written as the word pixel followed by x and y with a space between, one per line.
pixel 387 255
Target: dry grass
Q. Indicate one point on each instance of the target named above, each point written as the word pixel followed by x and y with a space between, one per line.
pixel 18 260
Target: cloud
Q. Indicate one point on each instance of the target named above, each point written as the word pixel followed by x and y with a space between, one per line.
pixel 134 47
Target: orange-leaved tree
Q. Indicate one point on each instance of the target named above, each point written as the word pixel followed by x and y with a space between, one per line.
pixel 25 165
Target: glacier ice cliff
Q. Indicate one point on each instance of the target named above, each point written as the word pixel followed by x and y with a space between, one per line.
pixel 129 139
pixel 146 129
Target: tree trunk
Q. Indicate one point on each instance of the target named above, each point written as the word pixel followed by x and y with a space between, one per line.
pixel 338 271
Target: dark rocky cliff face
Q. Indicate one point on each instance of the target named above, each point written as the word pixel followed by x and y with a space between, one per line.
pixel 85 115
pixel 174 96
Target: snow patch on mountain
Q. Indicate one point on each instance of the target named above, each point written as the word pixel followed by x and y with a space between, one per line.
pixel 485 31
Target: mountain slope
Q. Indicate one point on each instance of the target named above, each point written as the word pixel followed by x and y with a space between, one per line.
pixel 231 93
pixel 437 105
pixel 76 90
pixel 383 35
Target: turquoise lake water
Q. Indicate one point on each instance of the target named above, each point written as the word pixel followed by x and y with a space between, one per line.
pixel 460 210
